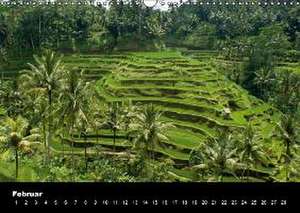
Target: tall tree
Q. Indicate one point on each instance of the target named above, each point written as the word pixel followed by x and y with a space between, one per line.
pixel 74 98
pixel 288 92
pixel 114 120
pixel 217 155
pixel 13 134
pixel 288 128
pixel 251 151
pixel 264 79
pixel 148 130
pixel 45 75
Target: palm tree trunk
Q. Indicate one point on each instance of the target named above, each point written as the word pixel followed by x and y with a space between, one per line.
pixel 17 162
pixel 85 152
pixel 152 151
pixel 287 161
pixel 72 156
pixel 114 140
pixel 221 176
pixel 72 145
pixel 49 123
pixel 97 141
pixel 63 144
pixel 248 168
pixel 45 141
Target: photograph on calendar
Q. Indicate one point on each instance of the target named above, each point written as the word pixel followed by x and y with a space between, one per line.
pixel 146 91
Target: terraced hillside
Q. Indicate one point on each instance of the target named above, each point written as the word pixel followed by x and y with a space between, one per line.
pixel 194 97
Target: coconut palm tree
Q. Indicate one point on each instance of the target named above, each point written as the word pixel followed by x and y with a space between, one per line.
pixel 97 116
pixel 45 76
pixel 250 150
pixel 13 135
pixel 289 134
pixel 40 116
pixel 74 99
pixel 148 130
pixel 114 120
pixel 217 155
pixel 5 91
pixel 264 78
pixel 289 92
pixel 128 113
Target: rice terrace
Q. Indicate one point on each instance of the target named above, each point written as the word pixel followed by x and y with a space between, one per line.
pixel 129 93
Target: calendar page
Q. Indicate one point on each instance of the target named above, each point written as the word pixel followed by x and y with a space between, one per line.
pixel 149 103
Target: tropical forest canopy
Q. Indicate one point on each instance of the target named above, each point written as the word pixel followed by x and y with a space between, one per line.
pixel 127 93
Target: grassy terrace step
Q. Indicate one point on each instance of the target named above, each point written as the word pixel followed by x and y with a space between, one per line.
pixel 97 71
pixel 184 142
pixel 187 104
pixel 184 139
pixel 194 127
pixel 154 65
pixel 255 111
pixel 93 76
pixel 177 137
pixel 102 133
pixel 108 56
pixel 172 153
pixel 187 175
pixel 204 76
pixel 184 115
pixel 289 64
pixel 168 69
pixel 90 61
pixel 146 70
pixel 202 100
pixel 157 55
pixel 198 116
pixel 295 69
pixel 171 88
pixel 171 76
pixel 91 66
pixel 103 141
pixel 168 81
pixel 170 102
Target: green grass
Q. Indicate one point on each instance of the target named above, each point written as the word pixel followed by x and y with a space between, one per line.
pixel 184 139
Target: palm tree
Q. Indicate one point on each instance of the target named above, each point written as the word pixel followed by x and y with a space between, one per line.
pixel 217 155
pixel 97 116
pixel 264 78
pixel 148 131
pixel 45 76
pixel 289 92
pixel 114 120
pixel 128 113
pixel 82 124
pixel 289 134
pixel 251 150
pixel 36 113
pixel 5 91
pixel 74 98
pixel 13 135
pixel 11 98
